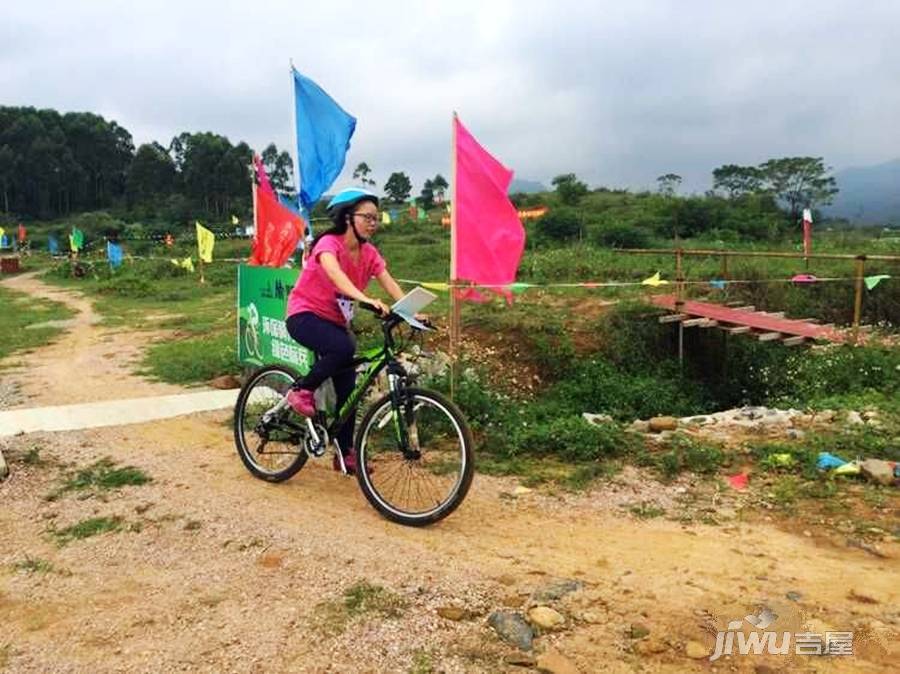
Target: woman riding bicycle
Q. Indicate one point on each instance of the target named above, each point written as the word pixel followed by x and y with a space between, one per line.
pixel 341 263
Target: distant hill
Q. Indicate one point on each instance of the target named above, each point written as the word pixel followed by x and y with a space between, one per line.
pixel 868 194
pixel 526 186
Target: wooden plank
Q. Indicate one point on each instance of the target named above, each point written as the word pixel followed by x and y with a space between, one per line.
pixel 759 322
pixel 793 341
pixel 769 336
pixel 773 314
pixel 693 322
pixel 746 307
pixel 672 318
pixel 709 323
pixel 814 321
pixel 739 330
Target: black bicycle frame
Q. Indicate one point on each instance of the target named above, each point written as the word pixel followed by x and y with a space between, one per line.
pixel 378 360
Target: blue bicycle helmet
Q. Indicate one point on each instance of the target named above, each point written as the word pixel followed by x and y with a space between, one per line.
pixel 350 197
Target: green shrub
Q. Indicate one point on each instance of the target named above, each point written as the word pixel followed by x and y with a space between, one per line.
pixel 570 438
pixel 688 454
pixel 596 385
pixel 802 459
pixel 622 236
pixel 126 285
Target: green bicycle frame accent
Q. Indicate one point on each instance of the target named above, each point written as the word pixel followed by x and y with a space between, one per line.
pixel 378 358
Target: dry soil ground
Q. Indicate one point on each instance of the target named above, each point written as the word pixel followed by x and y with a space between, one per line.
pixel 212 570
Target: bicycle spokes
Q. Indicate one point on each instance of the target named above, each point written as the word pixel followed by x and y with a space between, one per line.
pixel 415 457
pixel 270 434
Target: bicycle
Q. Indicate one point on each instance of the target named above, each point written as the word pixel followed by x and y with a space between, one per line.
pixel 415 458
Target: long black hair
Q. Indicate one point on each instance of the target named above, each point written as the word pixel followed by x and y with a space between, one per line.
pixel 340 217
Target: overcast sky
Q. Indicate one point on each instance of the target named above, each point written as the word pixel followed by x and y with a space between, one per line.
pixel 616 92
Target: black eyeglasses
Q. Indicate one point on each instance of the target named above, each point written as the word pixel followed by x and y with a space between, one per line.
pixel 371 218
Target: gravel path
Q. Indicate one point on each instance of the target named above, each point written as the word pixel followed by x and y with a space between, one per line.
pixel 210 570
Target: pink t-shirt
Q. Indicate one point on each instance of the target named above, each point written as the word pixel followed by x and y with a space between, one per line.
pixel 315 292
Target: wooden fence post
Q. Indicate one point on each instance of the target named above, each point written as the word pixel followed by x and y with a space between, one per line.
pixel 857 300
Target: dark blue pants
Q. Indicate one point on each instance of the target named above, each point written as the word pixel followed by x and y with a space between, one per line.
pixel 334 347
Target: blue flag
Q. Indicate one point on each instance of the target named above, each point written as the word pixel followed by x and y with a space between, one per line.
pixel 323 138
pixel 290 205
pixel 114 253
pixel 53 245
pixel 4 241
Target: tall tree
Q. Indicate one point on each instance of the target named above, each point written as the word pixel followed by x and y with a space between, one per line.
pixel 362 172
pixel 280 167
pixel 426 197
pixel 737 181
pixel 151 174
pixel 569 189
pixel 398 187
pixel 214 171
pixel 799 182
pixel 668 184
pixel 439 185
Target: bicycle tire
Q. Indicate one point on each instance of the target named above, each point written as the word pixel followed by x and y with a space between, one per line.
pixel 244 450
pixel 366 469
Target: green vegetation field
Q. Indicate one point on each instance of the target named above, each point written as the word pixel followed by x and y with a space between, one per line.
pixel 576 354
pixel 27 323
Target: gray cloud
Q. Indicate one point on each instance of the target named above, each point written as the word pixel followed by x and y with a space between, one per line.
pixel 616 93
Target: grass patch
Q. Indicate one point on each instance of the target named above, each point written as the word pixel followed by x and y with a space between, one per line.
pixel 21 311
pixel 785 492
pixel 192 360
pixel 687 454
pixel 360 599
pixel 93 526
pixel 646 510
pixel 583 476
pixel 365 597
pixel 33 565
pixel 422 663
pixel 33 457
pixel 102 475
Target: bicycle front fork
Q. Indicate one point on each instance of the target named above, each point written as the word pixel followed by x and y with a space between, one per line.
pixel 403 414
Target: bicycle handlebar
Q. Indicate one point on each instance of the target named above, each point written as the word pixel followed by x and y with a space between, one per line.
pixel 394 319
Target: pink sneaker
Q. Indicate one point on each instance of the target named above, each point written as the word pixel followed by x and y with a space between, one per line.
pixel 349 462
pixel 303 401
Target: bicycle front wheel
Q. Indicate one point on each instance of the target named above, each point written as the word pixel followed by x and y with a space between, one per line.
pixel 269 441
pixel 428 481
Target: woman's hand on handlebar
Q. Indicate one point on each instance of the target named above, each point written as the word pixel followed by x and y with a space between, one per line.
pixel 382 309
pixel 425 320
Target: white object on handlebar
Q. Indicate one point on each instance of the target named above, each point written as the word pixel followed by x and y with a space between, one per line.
pixel 412 303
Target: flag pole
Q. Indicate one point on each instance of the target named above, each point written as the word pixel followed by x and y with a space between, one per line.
pixel 454 299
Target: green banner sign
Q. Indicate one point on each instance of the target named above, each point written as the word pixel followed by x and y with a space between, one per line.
pixel 262 336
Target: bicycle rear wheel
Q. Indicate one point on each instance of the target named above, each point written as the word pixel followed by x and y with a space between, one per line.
pixel 428 483
pixel 269 442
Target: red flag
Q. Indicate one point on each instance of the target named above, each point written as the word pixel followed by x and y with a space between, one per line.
pixel 807 231
pixel 21 232
pixel 278 229
pixel 489 235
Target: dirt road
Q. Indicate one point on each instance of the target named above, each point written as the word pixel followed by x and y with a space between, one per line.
pixel 211 570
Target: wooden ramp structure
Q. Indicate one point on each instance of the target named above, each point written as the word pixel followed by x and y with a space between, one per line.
pixel 746 320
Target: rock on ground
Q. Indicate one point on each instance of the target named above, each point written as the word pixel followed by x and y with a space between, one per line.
pixel 545 618
pixel 554 662
pixel 512 628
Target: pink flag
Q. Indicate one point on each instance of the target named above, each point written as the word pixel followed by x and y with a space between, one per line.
pixel 262 177
pixel 489 235
pixel 807 231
